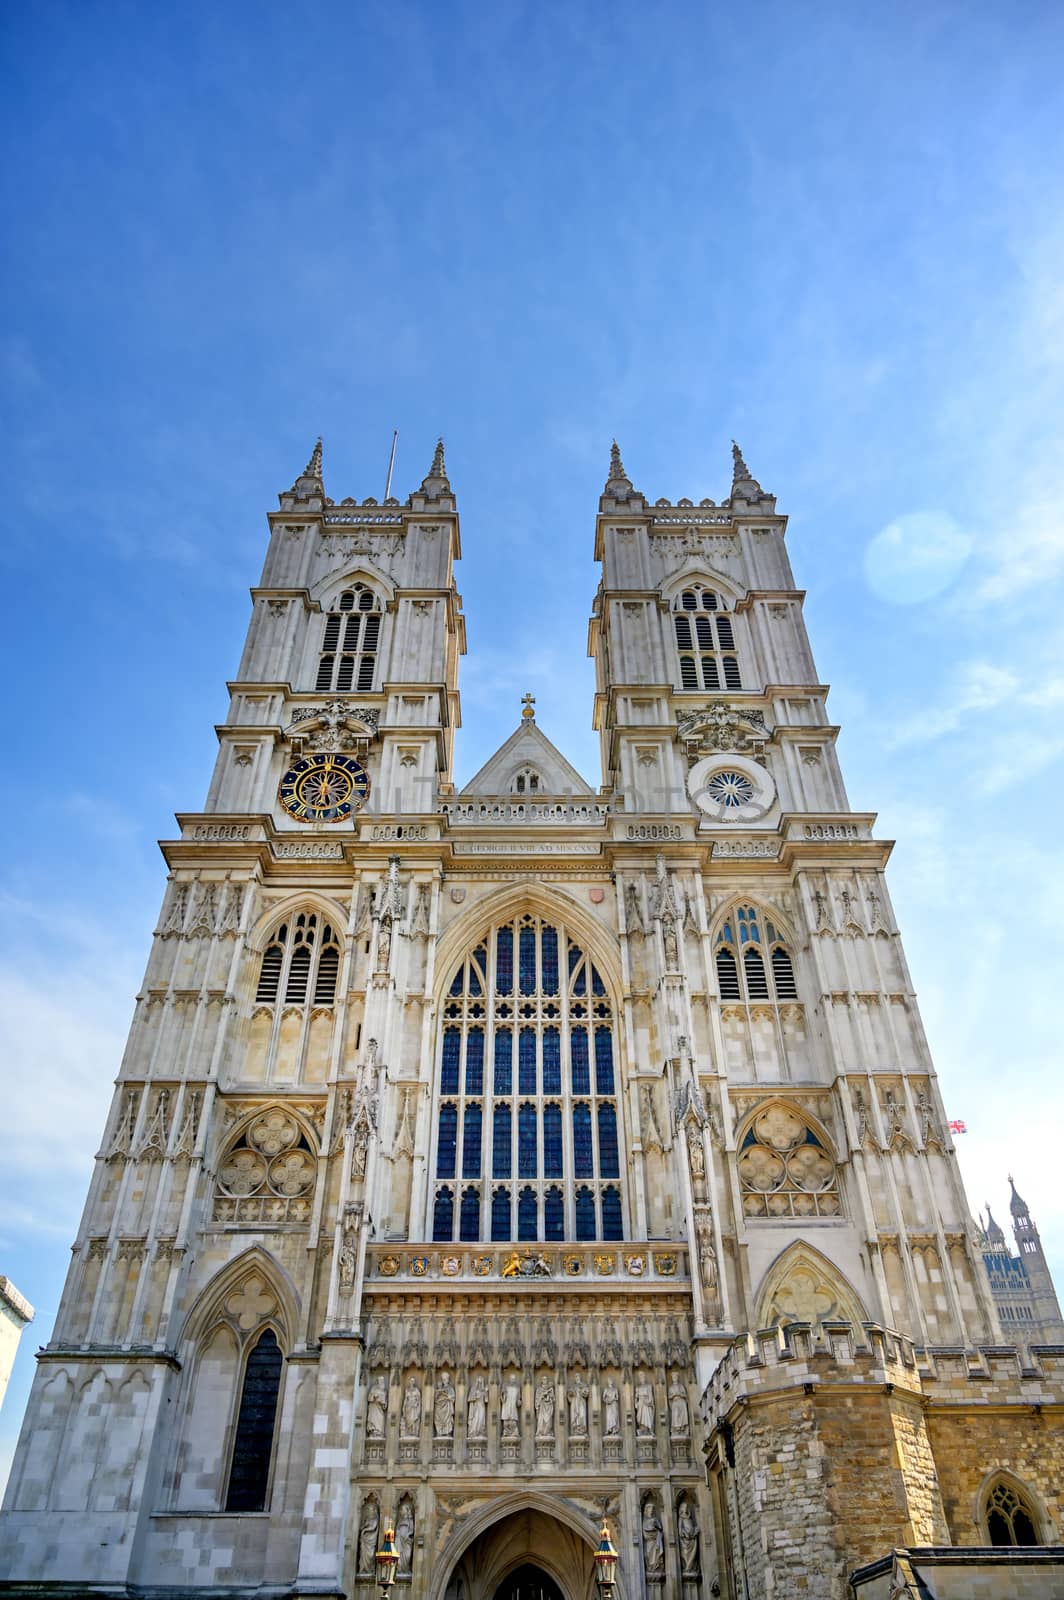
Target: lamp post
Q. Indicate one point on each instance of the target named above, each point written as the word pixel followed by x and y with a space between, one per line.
pixel 386 1560
pixel 605 1564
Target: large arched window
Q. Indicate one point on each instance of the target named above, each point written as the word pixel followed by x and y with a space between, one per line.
pixel 267 1172
pixel 301 963
pixel 528 1144
pixel 349 643
pixel 249 1467
pixel 1010 1517
pixel 753 963
pixel 705 641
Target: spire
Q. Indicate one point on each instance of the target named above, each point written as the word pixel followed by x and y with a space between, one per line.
pixel 744 485
pixel 309 484
pixel 994 1231
pixel 617 472
pixel 1017 1206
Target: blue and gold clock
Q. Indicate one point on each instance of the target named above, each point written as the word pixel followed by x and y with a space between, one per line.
pixel 324 788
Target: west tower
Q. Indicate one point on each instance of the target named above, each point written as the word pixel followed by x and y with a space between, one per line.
pixel 484 1161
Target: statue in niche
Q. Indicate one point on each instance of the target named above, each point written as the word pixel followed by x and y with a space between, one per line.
pixel 443 1408
pixel 376 1409
pixel 611 1410
pixel 367 1537
pixel 927 1118
pixel 696 1154
pixel 578 1393
pixel 545 1409
pixel 687 1527
pixel 679 1413
pixel 707 1257
pixel 477 1409
pixel 359 1151
pixel 384 945
pixel 404 1536
pixel 672 948
pixel 644 1407
pixel 511 1407
pixel 348 1259
pixel 411 1413
pixel 653 1541
pixel 633 917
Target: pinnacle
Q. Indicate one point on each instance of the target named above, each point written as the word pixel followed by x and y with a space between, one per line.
pixel 617 472
pixel 313 466
pixel 436 480
pixel 740 471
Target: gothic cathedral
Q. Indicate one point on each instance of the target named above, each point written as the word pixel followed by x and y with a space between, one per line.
pixel 487 1163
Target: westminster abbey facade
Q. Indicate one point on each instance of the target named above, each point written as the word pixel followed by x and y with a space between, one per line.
pixel 487 1162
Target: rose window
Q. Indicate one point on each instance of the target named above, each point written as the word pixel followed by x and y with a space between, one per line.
pixel 784 1169
pixel 268 1174
pixel 732 789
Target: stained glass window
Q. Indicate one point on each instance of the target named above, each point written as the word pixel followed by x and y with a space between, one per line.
pixel 529 1119
pixel 504 1047
pixel 501 1163
pixel 448 1140
pixel 249 1472
pixel 471 1143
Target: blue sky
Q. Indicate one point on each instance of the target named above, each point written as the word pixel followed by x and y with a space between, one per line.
pixel 832 231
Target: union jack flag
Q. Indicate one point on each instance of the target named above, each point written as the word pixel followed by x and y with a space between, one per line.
pixel 958 1127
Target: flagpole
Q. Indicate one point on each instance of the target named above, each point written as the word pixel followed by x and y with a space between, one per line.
pixel 391 463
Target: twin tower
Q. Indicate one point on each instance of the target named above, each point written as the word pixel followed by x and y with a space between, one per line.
pixel 485 1162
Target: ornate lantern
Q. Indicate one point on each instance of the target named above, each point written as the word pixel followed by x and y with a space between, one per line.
pixel 387 1559
pixel 605 1564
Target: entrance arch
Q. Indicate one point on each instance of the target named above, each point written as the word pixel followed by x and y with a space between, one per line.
pixel 512 1549
pixel 528 1582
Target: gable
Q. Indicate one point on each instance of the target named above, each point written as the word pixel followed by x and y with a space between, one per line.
pixel 527 747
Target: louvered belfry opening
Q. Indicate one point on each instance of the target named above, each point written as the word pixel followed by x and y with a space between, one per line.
pixel 706 642
pixel 300 963
pixel 752 960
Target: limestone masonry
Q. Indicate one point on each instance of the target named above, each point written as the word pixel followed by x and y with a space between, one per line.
pixel 484 1163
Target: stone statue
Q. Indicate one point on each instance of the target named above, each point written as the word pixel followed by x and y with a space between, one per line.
pixel 672 948
pixel 611 1410
pixel 477 1409
pixel 376 1409
pixel 633 917
pixel 653 1541
pixel 687 1528
pixel 545 1409
pixel 443 1408
pixel 347 1261
pixel 707 1257
pixel 404 1536
pixel 679 1414
pixel 511 1407
pixel 411 1413
pixel 697 1154
pixel 367 1537
pixel 359 1151
pixel 644 1407
pixel 578 1392
pixel 384 944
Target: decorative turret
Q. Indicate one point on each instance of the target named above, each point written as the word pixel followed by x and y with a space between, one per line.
pixel 309 488
pixel 744 485
pixel 995 1234
pixel 1017 1206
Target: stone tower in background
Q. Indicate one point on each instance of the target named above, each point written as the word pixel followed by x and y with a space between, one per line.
pixel 485 1162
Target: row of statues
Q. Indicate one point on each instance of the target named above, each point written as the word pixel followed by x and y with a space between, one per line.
pixel 545 1403
pixel 369 1536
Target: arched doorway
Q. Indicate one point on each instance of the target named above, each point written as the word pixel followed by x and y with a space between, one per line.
pixel 528 1583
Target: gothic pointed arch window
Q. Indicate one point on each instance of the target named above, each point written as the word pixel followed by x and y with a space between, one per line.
pixel 528 1141
pixel 786 1168
pixel 705 640
pixel 752 960
pixel 526 780
pixel 1010 1515
pixel 301 963
pixel 350 641
pixel 256 1424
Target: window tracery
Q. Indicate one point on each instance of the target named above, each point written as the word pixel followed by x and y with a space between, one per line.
pixel 705 640
pixel 300 963
pixel 527 1139
pixel 752 960
pixel 1010 1517
pixel 350 641
pixel 268 1172
pixel 785 1169
pixel 527 781
pixel 249 1467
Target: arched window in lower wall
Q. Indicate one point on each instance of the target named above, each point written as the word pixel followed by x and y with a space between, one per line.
pixel 249 1470
pixel 1010 1517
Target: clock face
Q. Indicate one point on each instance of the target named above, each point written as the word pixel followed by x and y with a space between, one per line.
pixel 324 788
